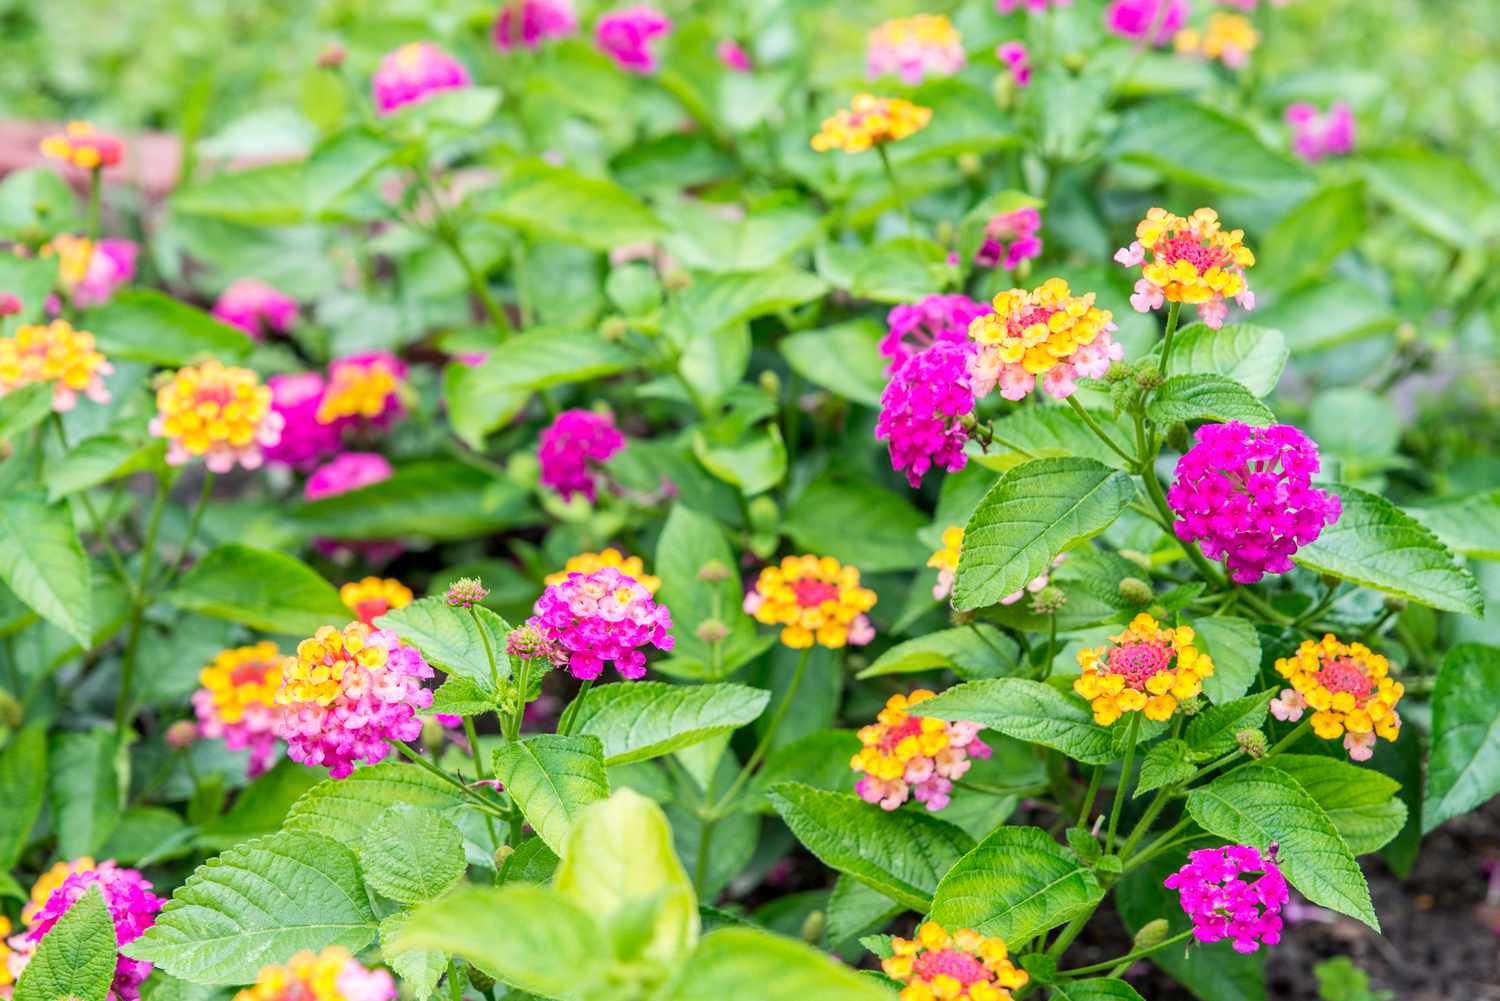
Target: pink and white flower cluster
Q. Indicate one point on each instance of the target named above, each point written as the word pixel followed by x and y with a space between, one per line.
pixel 597 618
pixel 1214 891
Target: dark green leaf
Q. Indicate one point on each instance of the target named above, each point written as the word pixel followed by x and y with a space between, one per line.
pixel 84 790
pixel 1206 397
pixel 412 854
pixel 43 563
pixel 1212 732
pixel 1235 649
pixel 1464 768
pixel 1361 802
pixel 467 642
pixel 973 651
pixel 145 325
pixel 857 523
pixel 1251 355
pixel 434 500
pixel 262 589
pixel 23 775
pixel 1029 711
pixel 640 720
pixel 844 359
pixel 560 204
pixel 76 959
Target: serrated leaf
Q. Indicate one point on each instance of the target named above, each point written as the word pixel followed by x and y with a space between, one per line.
pixel 84 789
pixel 640 720
pixel 1259 806
pixel 419 969
pixel 1235 648
pixel 1101 989
pixel 1377 545
pixel 466 642
pixel 1037 510
pixel 256 904
pixel 902 854
pixel 23 409
pixel 261 589
pixel 819 760
pixel 1206 397
pixel 973 651
pixel 75 961
pixel 150 326
pixel 1052 432
pixel 1437 193
pixel 558 203
pixel 23 776
pixel 412 854
pixel 532 862
pixel 1470 526
pixel 854 908
pixel 1464 767
pixel 1016 884
pixel 553 778
pixel 460 696
pixel 1211 732
pixel 1203 147
pixel 1362 803
pixel 43 563
pixel 750 963
pixel 99 460
pixel 1165 764
pixel 1251 355
pixel 1030 711
pixel 344 809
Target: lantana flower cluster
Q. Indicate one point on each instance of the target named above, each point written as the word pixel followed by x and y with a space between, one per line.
pixel 611 558
pixel 628 36
pixel 372 597
pixel 528 23
pixel 815 600
pixel 1010 238
pixel 962 966
pixel 364 388
pixel 413 73
pixel 571 446
pixel 913 327
pixel 1189 260
pixel 330 975
pixel 257 308
pixel 1245 495
pixel 304 440
pixel 54 353
pixel 905 755
pixel 1048 332
pixel 914 48
pixel 218 413
pixel 90 271
pixel 1017 58
pixel 921 410
pixel 1032 6
pixel 1148 668
pixel 132 907
pixel 84 146
pixel 1222 902
pixel 870 121
pixel 237 701
pixel 1349 688
pixel 1229 39
pixel 1316 134
pixel 346 693
pixel 1146 21
pixel 601 617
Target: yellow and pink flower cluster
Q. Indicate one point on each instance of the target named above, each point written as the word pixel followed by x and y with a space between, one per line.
pixel 870 121
pixel 54 353
pixel 330 975
pixel 218 413
pixel 815 600
pixel 904 755
pixel 1349 688
pixel 1148 668
pixel 961 966
pixel 1191 260
pixel 1047 332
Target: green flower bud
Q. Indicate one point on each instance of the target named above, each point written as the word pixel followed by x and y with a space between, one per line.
pixel 1049 600
pixel 713 572
pixel 770 382
pixel 1394 603
pixel 613 328
pixel 433 732
pixel 1191 706
pixel 1136 591
pixel 10 711
pixel 970 164
pixel 501 854
pixel 1177 437
pixel 1152 933
pixel 1252 742
pixel 812 928
pixel 712 631
pixel 482 981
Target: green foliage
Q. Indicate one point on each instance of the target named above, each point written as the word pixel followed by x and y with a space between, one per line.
pixel 261 589
pixel 638 721
pixel 1464 769
pixel 553 779
pixel 1029 711
pixel 76 959
pixel 468 643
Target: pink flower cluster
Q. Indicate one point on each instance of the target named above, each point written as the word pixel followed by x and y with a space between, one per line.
pixel 1154 21
pixel 1016 56
pixel 413 73
pixel 570 444
pixel 132 906
pixel 529 23
pixel 600 617
pixel 256 308
pixel 920 410
pixel 344 473
pixel 915 327
pixel 345 694
pixel 626 36
pixel 111 265
pixel 1245 495
pixel 1010 237
pixel 733 57
pixel 914 48
pixel 1316 134
pixel 360 391
pixel 1032 6
pixel 1223 904
pixel 304 440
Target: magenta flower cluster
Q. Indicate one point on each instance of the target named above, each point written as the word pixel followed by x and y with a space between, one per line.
pixel 1032 6
pixel 920 410
pixel 296 397
pixel 1011 237
pixel 569 448
pixel 529 23
pixel 111 265
pixel 600 617
pixel 626 36
pixel 1245 495
pixel 1154 21
pixel 256 308
pixel 914 327
pixel 131 904
pixel 413 73
pixel 1017 58
pixel 1224 904
pixel 318 412
pixel 1316 134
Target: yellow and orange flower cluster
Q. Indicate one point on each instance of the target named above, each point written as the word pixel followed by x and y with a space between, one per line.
pixel 220 413
pixel 55 353
pixel 1192 260
pixel 945 561
pixel 237 701
pixel 1148 668
pixel 962 966
pixel 1229 38
pixel 330 975
pixel 630 566
pixel 815 600
pixel 84 147
pixel 1349 688
pixel 1039 332
pixel 904 755
pixel 870 121
pixel 365 387
pixel 372 597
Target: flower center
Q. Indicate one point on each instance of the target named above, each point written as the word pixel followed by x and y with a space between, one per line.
pixel 367 610
pixel 1345 676
pixel 253 673
pixel 961 966
pixel 811 592
pixel 909 727
pixel 1187 248
pixel 1136 662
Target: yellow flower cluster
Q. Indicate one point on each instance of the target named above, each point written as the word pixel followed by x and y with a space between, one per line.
pixel 963 966
pixel 330 975
pixel 1229 38
pixel 1148 668
pixel 630 566
pixel 1194 260
pixel 316 673
pixel 6 977
pixel 945 561
pixel 1347 685
pixel 915 736
pixel 372 597
pixel 870 121
pixel 216 411
pixel 243 678
pixel 84 146
pixel 814 600
pixel 74 255
pixel 1039 329
pixel 55 353
pixel 358 390
pixel 919 29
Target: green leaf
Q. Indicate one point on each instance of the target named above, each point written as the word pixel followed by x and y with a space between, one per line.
pixel 1015 885
pixel 533 862
pixel 99 460
pixel 704 238
pixel 750 963
pixel 1376 545
pixel 1167 763
pixel 344 809
pixel 902 854
pixel 1203 147
pixel 1101 989
pixel 898 270
pixel 1037 510
pixel 1354 425
pixel 260 808
pixel 844 359
pixel 689 541
pixel 854 909
pixel 640 720
pixel 717 300
pixel 459 696
pixel 436 500
pixel 257 904
pixel 819 760
pixel 261 589
pixel 1362 803
pixel 29 279
pixel 1053 432
pixel 1211 732
pixel 43 563
pixel 1251 355
pixel 1470 526
pixel 23 776
pixel 1259 806
pixel 1030 711
pixel 561 204
pixel 340 163
pixel 553 778
pixel 150 326
pixel 1206 397
pixel 76 959
pixel 532 938
pixel 273 195
pixel 1308 239
pixel 1464 767
pixel 1235 648
pixel 1329 313
pixel 458 641
pixel 1437 193
pixel 755 463
pixel 858 523
pixel 972 651
pixel 715 361
pixel 419 969
pixel 24 408
pixel 84 790
pixel 412 854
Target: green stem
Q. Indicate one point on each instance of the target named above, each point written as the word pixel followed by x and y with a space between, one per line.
pixel 727 800
pixel 1123 962
pixel 96 190
pixel 1166 840
pixel 194 522
pixel 455 992
pixel 415 757
pixel 138 612
pixel 565 725
pixel 1070 932
pixel 890 175
pixel 700 868
pixel 1166 343
pixel 1143 826
pixel 1094 426
pixel 450 236
pixel 1132 730
pixel 480 769
pixel 115 559
pixel 1051 647
pixel 1290 739
pixel 489 651
pixel 989 790
pixel 1226 759
pixel 1090 796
